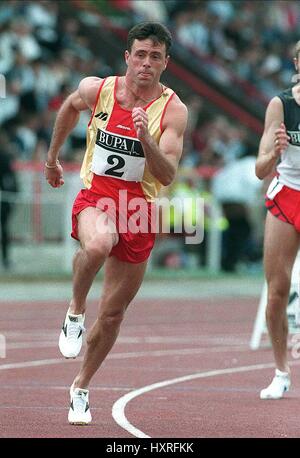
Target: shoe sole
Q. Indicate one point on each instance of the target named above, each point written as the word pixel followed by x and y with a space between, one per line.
pixel 271 398
pixel 69 357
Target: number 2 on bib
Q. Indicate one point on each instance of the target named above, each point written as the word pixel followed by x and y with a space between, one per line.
pixel 118 163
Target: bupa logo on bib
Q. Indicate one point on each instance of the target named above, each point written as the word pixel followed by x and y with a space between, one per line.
pixel 119 144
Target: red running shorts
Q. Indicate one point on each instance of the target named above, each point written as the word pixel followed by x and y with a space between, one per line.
pixel 284 203
pixel 131 247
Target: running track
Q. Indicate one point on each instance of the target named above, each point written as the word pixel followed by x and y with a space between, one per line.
pixel 180 368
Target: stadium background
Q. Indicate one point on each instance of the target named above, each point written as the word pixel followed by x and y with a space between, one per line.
pixel 228 59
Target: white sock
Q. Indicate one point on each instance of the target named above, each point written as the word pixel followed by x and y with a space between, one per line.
pixel 281 374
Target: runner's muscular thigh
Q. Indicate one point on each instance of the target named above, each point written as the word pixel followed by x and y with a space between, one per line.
pixel 90 227
pixel 281 244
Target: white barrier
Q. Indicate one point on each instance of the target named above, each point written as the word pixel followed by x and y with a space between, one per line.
pixel 40 223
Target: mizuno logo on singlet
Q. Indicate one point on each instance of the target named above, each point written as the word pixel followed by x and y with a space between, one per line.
pixel 119 144
pixel 102 116
pixel 123 127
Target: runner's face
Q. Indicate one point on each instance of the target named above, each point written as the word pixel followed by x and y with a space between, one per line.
pixel 146 61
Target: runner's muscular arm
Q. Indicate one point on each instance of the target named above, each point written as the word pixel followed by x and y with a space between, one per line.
pixel 67 117
pixel 274 129
pixel 163 159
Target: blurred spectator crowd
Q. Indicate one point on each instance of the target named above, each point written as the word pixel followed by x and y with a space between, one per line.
pixel 246 40
pixel 43 57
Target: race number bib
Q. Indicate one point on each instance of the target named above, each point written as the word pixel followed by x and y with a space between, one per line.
pixel 118 157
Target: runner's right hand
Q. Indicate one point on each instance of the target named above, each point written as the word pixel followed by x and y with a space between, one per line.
pixel 54 176
pixel 281 140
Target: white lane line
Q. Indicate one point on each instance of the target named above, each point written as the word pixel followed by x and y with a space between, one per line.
pixel 36 363
pixel 118 409
pixel 18 341
pixel 233 347
pixel 126 355
pixel 60 388
pixel 179 351
pixel 23 345
pixel 50 344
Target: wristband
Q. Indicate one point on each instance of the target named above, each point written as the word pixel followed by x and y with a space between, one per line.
pixel 52 166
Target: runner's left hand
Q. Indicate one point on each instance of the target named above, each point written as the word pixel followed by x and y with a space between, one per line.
pixel 140 121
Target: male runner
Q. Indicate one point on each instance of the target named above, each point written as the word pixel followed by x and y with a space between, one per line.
pixel 281 140
pixel 134 143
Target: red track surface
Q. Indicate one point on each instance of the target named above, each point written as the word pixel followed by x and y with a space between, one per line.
pixel 189 337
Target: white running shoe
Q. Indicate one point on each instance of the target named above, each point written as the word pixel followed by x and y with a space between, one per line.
pixel 279 385
pixel 70 339
pixel 79 412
